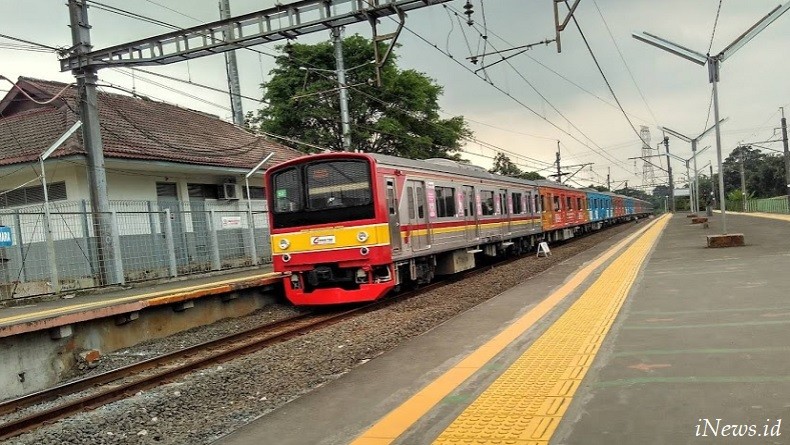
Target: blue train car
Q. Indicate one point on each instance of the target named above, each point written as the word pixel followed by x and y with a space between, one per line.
pixel 629 206
pixel 600 205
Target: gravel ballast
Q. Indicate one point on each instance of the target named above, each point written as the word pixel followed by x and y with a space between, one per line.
pixel 210 403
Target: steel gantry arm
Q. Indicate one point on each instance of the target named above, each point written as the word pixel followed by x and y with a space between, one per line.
pixel 280 22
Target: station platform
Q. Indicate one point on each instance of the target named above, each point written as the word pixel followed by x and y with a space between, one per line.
pixel 651 339
pixel 17 320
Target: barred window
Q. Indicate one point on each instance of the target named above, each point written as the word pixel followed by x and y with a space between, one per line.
pixel 33 195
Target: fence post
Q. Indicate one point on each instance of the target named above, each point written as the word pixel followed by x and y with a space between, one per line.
pixel 216 264
pixel 54 278
pixel 20 246
pixel 171 247
pixel 116 247
pixel 253 247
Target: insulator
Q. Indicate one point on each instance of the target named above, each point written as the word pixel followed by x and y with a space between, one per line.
pixel 469 9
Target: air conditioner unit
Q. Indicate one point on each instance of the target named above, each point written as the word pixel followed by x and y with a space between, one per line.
pixel 228 191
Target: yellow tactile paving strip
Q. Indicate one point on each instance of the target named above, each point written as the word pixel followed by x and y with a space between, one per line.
pixel 526 403
pixel 779 216
pixel 397 421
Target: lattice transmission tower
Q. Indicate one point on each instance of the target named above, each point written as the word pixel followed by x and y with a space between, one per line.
pixel 648 172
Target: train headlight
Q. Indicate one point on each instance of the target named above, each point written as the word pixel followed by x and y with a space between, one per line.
pixel 284 244
pixel 362 236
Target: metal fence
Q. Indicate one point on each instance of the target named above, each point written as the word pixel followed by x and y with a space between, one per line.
pixel 777 204
pixel 59 251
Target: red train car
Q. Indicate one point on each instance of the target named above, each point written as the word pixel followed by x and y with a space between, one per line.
pixel 562 208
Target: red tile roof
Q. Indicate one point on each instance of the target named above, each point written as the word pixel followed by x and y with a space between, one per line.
pixel 132 128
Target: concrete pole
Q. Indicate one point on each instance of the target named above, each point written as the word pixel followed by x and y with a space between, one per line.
pixel 91 134
pixel 54 277
pixel 559 168
pixel 696 176
pixel 787 156
pixel 714 67
pixel 345 119
pixel 743 177
pixel 671 181
pixel 232 67
pixel 609 178
pixel 691 187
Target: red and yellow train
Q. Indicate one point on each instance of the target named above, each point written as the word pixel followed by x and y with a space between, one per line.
pixel 350 227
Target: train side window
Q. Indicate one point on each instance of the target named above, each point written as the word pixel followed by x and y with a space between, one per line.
pixel 469 194
pixel 410 199
pixel 391 196
pixel 445 202
pixel 556 200
pixel 516 203
pixel 487 202
pixel 569 202
pixel 579 204
pixel 539 206
pixel 420 202
pixel 503 202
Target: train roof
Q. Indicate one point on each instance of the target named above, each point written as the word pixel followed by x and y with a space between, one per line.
pixel 447 166
pixel 457 168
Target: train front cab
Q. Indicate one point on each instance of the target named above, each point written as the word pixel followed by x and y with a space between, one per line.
pixel 329 230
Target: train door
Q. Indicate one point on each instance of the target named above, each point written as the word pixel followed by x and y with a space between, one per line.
pixel 470 215
pixel 504 226
pixel 419 231
pixel 393 216
pixel 546 209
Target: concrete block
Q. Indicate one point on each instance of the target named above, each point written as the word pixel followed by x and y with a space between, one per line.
pixel 126 318
pixel 59 332
pixel 184 305
pixel 699 220
pixel 731 240
pixel 691 215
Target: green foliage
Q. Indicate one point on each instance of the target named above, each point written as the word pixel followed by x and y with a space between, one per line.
pixel 505 167
pixel 400 118
pixel 764 173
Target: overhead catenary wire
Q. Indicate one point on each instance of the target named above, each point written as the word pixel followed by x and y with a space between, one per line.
pixel 137 16
pixel 521 75
pixel 603 75
pixel 627 67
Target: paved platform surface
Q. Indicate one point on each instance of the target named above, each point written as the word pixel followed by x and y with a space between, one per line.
pixel 49 314
pixel 649 346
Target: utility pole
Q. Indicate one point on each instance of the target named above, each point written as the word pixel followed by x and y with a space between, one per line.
pixel 712 186
pixel 232 68
pixel 609 178
pixel 559 169
pixel 787 156
pixel 669 172
pixel 743 176
pixel 337 38
pixel 91 136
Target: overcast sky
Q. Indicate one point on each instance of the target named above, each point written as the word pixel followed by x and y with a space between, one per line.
pixel 676 92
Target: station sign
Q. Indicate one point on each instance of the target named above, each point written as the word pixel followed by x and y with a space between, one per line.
pixel 5 237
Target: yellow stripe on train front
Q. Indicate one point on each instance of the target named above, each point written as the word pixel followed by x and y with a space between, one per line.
pixel 314 240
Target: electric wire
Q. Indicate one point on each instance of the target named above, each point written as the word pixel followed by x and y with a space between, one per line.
pixel 627 67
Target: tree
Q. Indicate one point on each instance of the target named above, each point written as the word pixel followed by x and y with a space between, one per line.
pixel 400 118
pixel 505 167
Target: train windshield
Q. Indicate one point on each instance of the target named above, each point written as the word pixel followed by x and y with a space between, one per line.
pixel 322 193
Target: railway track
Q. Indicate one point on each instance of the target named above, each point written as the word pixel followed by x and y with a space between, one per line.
pixel 125 381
